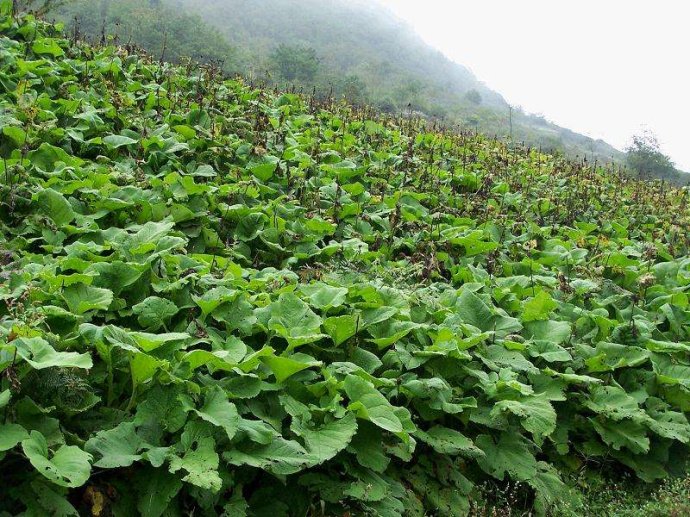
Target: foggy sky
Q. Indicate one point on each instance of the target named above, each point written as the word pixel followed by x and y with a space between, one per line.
pixel 605 68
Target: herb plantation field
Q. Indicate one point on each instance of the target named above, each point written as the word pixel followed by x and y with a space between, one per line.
pixel 223 300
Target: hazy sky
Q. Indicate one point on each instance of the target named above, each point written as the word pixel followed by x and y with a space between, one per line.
pixel 605 68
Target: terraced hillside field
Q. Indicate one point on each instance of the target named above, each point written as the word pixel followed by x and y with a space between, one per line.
pixel 219 300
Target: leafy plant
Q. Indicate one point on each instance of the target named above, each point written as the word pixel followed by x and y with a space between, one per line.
pixel 220 300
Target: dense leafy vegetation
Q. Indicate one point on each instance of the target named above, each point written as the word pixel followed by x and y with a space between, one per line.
pixel 216 299
pixel 365 55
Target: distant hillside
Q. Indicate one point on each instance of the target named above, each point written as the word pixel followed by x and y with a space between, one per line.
pixel 358 50
pixel 366 41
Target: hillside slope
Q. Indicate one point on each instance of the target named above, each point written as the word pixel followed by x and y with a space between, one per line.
pixel 220 300
pixel 364 53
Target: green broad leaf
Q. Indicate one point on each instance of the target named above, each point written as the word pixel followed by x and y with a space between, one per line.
pixel 612 356
pixel 16 134
pixel 549 352
pixel 391 331
pixel 623 433
pixel 475 244
pixel 200 462
pixel 448 441
pixel 143 368
pixel 6 8
pixel 538 308
pixel 293 320
pixel 257 431
pixel 369 404
pixel 5 397
pixel 536 414
pixel 69 466
pixel 572 378
pixel 281 457
pixel 43 498
pixel 11 435
pixel 613 402
pixel 219 411
pixel 550 490
pixel 323 296
pixel 236 505
pixel 47 156
pixel 341 328
pixel 146 237
pixel 327 440
pixel 250 226
pixel 47 46
pixel 667 347
pixel 81 298
pixel 497 357
pixel 117 141
pixel 367 446
pixel 214 298
pixel 153 312
pixel 669 424
pixel 117 447
pixel 555 332
pixel 648 467
pixel 160 411
pixel 156 488
pixel 149 342
pixel 54 205
pixel 203 171
pixel 236 315
pixel 285 367
pixel 510 454
pixel 116 276
pixel 265 169
pixel 472 309
pixel 39 354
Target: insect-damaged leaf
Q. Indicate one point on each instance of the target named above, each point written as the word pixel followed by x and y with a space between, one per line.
pixel 68 466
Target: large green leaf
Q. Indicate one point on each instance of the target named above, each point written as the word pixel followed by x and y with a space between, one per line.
pixel 82 298
pixel 68 466
pixel 371 405
pixel 153 312
pixel 54 205
pixel 281 457
pixel 39 354
pixel 198 459
pixel 11 435
pixel 624 433
pixel 219 411
pixel 293 320
pixel 117 447
pixel 510 454
pixel 156 488
pixel 449 441
pixel 285 367
pixel 536 414
pixel 472 309
pixel 325 441
pixel 341 328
